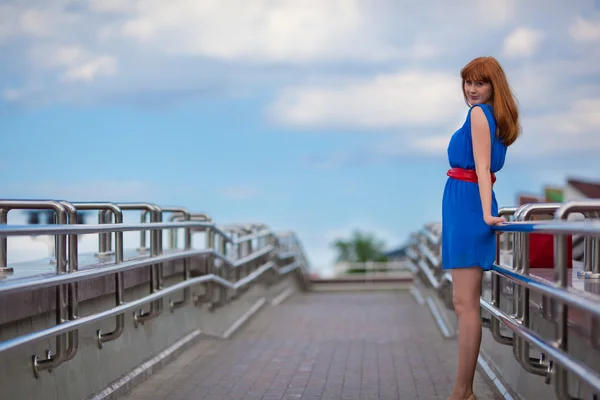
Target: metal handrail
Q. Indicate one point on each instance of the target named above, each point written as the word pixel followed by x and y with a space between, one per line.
pixel 64 214
pixel 561 362
pixel 591 228
pixel 98 272
pixel 60 229
pixel 71 325
pixel 582 371
pixel 66 279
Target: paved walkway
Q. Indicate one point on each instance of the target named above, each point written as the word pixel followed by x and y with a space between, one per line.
pixel 320 346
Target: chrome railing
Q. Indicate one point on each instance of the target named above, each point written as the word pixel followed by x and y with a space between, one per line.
pixel 371 270
pixel 237 256
pixel 557 361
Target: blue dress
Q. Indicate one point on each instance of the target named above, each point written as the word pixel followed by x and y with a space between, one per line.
pixel 467 241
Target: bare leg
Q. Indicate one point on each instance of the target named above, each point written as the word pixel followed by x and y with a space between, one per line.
pixel 466 283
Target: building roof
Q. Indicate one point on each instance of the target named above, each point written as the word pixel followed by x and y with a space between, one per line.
pixel 397 252
pixel 591 190
pixel 528 198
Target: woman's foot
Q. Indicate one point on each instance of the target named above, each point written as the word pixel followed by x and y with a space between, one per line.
pixel 456 396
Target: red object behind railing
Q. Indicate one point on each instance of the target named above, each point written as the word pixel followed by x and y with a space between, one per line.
pixel 541 250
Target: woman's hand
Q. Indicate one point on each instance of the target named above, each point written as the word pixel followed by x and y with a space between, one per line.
pixel 491 220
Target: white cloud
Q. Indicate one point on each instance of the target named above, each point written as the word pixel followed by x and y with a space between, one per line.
pixel 75 62
pixel 29 18
pixel 112 6
pixel 522 42
pixel 34 22
pixel 496 13
pixel 293 30
pixel 584 117
pixel 431 144
pixel 347 64
pixel 571 130
pixel 396 100
pixel 585 29
pixel 87 71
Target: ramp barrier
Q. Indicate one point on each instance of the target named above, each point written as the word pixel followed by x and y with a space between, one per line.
pixel 564 302
pixel 235 258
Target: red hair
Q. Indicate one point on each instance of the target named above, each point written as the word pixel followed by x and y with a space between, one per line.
pixel 504 103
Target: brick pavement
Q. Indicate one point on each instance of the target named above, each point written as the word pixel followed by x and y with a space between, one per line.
pixel 320 346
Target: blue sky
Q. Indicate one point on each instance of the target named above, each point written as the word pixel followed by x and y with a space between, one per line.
pixel 317 116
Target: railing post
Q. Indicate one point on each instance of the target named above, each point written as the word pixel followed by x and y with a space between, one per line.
pixel 496 289
pixel 185 214
pixel 4 268
pixel 562 374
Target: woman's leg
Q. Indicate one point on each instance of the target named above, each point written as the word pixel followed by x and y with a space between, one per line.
pixel 466 283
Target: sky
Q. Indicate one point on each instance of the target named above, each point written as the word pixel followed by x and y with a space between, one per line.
pixel 315 116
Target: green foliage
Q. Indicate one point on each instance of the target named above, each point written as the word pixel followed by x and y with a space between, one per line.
pixel 361 247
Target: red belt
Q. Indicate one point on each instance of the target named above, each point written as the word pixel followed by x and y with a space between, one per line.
pixel 467 175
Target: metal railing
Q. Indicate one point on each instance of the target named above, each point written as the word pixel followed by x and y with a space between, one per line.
pixel 556 362
pixel 236 257
pixel 370 270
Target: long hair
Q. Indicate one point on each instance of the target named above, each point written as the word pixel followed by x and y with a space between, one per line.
pixel 506 112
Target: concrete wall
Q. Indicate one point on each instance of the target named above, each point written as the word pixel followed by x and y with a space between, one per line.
pixel 94 369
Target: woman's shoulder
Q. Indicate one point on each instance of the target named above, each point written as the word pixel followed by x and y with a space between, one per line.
pixel 486 108
pixel 483 110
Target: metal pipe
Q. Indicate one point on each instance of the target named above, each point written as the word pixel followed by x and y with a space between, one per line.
pixel 562 281
pixel 109 210
pixel 71 279
pixel 525 213
pixel 180 211
pixel 560 357
pixel 532 282
pixel 173 231
pixel 214 270
pixel 51 360
pixel 191 217
pixel 508 237
pixel 591 228
pixel 104 217
pixel 4 268
pixel 433 260
pixel 132 305
pixel 28 230
pixel 155 250
pixel 22 286
pixel 496 292
pixel 588 254
pixel 72 288
pixel 143 218
pixel 218 270
pixel 101 242
pixel 230 275
pixel 596 262
pixel 109 216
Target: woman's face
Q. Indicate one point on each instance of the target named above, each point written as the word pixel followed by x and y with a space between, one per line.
pixel 478 92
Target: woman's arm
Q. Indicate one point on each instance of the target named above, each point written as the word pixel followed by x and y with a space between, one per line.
pixel 482 153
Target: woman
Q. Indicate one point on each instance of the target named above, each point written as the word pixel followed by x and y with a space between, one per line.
pixel 469 208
